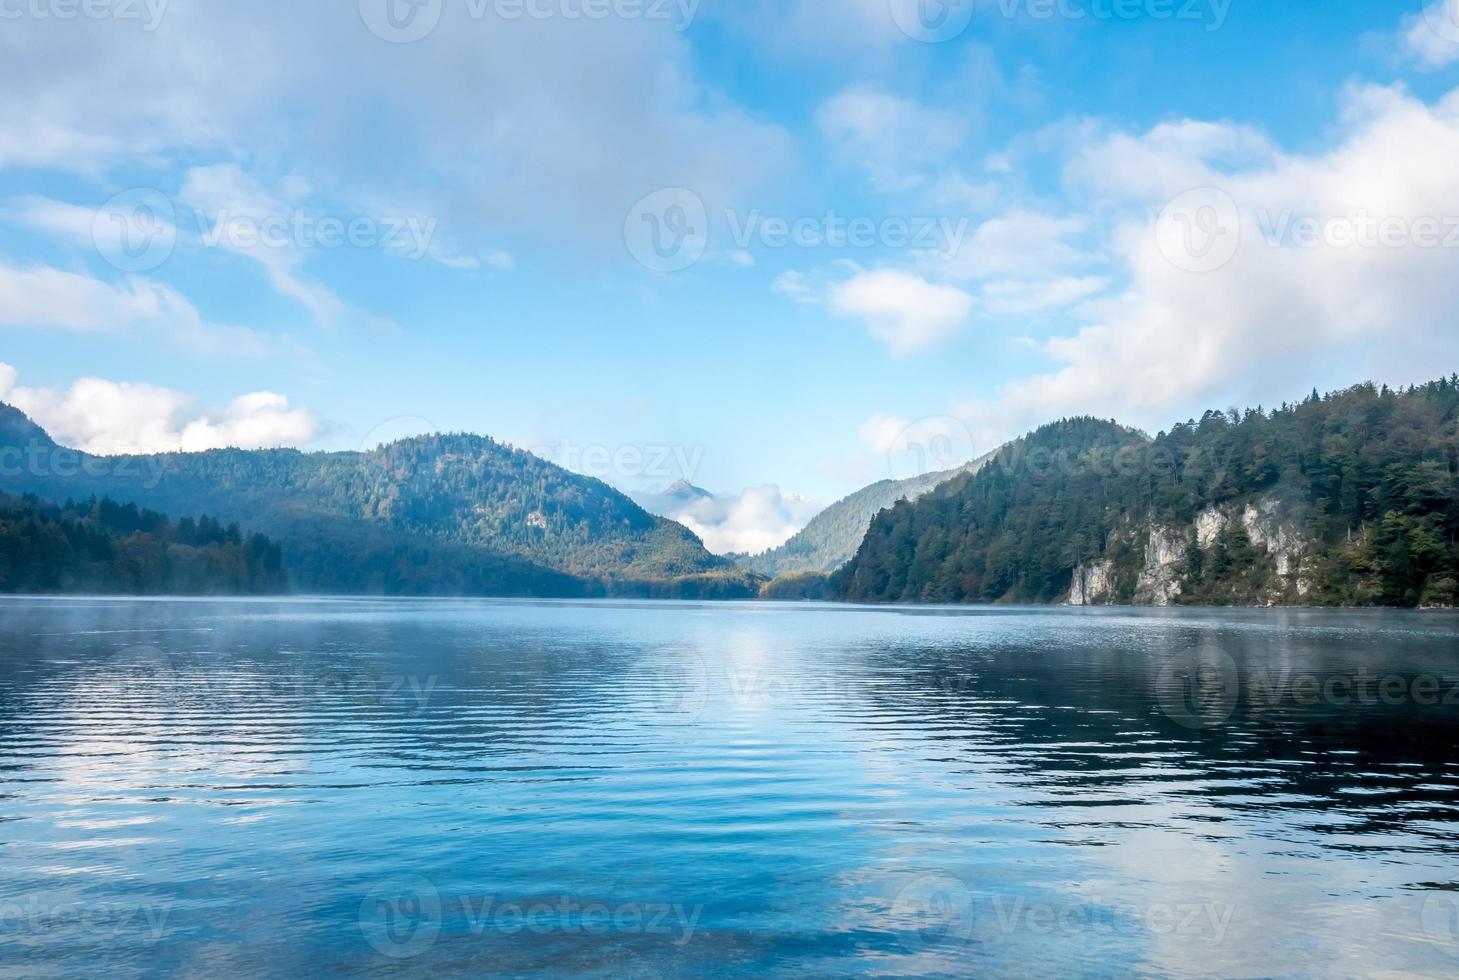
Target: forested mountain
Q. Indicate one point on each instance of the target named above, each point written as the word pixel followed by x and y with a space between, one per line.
pixel 103 547
pixel 442 515
pixel 17 435
pixel 833 535
pixel 1349 499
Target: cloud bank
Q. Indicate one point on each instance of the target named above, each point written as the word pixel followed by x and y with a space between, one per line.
pixel 111 418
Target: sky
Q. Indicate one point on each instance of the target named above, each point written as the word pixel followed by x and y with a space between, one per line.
pixel 779 249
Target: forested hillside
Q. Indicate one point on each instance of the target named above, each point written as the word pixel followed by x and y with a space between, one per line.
pixel 103 547
pixel 1344 500
pixel 435 515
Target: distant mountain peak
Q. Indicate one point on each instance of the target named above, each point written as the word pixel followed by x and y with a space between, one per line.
pixel 684 490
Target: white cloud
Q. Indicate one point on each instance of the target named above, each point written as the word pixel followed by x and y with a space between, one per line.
pixel 1016 244
pixel 795 286
pixel 955 190
pixel 239 208
pixel 109 230
pixel 1432 36
pixel 1017 297
pixel 754 521
pixel 71 222
pixel 897 448
pixel 881 432
pixel 108 417
pixel 1279 312
pixel 44 297
pixel 1123 168
pixel 893 137
pixel 904 310
pixel 441 127
pixel 41 296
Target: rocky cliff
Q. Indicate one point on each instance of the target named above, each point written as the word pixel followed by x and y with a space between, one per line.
pixel 1187 562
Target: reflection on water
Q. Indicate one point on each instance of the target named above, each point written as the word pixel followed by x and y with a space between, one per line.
pixel 625 789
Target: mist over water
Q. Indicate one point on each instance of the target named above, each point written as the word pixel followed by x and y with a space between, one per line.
pixel 641 789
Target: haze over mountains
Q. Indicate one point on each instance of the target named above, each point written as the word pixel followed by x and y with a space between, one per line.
pixel 434 515
pixel 1349 499
pixel 833 535
pixel 752 521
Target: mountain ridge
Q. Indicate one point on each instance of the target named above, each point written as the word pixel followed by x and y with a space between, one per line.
pixel 1345 500
pixel 453 513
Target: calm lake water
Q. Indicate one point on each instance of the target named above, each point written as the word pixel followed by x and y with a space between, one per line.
pixel 321 787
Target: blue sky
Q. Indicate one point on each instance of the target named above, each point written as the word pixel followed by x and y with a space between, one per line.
pixel 338 231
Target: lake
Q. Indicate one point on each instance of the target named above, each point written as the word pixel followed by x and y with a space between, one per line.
pixel 344 787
